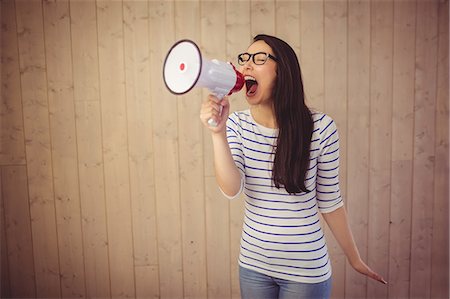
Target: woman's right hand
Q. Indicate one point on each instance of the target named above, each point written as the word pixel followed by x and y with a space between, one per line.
pixel 362 268
pixel 217 110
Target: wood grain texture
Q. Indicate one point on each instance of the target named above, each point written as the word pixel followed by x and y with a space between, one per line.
pixel 92 198
pixel 440 241
pixel 218 241
pixel 117 173
pixel 402 151
pixel 83 26
pixel 115 147
pixel 64 147
pixel 38 146
pixel 263 17
pixel 238 38
pixel 287 23
pixel 218 267
pixel 380 141
pixel 5 286
pixel 19 249
pixel 424 148
pixel 86 92
pixel 357 201
pixel 312 52
pixel 166 151
pixel 188 24
pixel 140 146
pixel 12 145
pixel 335 104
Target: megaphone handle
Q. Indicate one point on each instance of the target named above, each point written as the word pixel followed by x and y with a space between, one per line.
pixel 212 122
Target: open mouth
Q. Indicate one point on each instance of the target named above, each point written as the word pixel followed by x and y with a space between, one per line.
pixel 251 84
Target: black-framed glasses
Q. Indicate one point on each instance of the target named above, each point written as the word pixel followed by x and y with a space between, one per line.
pixel 258 58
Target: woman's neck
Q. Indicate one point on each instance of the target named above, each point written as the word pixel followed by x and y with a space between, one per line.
pixel 264 115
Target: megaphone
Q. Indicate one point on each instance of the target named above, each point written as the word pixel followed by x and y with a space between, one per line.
pixel 184 68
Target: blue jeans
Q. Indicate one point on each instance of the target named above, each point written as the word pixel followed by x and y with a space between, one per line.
pixel 256 285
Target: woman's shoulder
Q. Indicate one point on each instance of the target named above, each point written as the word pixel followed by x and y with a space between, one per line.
pixel 322 122
pixel 320 117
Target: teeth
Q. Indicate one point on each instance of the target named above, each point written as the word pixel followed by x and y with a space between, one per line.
pixel 249 78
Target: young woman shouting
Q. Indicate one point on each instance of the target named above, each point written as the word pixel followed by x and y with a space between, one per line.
pixel 285 158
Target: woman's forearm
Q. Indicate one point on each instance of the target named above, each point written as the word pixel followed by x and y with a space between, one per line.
pixel 338 223
pixel 227 173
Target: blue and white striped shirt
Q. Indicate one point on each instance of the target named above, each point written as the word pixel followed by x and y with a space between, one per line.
pixel 282 236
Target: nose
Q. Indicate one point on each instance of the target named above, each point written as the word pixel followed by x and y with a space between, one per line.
pixel 248 65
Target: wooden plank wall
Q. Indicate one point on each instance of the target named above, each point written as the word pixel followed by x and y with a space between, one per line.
pixel 107 181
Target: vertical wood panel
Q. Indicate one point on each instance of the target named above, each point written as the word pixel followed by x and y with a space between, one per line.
pixel 5 287
pixel 402 154
pixel 213 15
pixel 165 144
pixel 440 242
pixel 90 160
pixel 213 46
pixel 92 195
pixel 12 145
pixel 64 149
pixel 287 23
pixel 218 242
pixel 188 25
pixel 38 147
pixel 263 17
pixel 335 104
pixel 358 134
pixel 83 17
pixel 145 217
pixel 238 39
pixel 424 152
pixel 18 231
pixel 115 147
pixel 137 78
pixel 380 142
pixel 89 147
pixel 335 79
pixel 312 52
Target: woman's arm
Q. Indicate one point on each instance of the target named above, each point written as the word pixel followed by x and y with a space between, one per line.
pixel 338 223
pixel 227 173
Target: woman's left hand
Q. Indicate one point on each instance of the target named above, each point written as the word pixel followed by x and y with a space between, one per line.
pixel 362 268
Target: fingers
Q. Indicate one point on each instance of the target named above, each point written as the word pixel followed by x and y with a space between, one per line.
pixel 210 110
pixel 213 102
pixel 364 269
pixel 216 110
pixel 377 277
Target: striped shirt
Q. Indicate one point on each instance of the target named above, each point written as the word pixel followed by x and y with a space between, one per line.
pixel 281 235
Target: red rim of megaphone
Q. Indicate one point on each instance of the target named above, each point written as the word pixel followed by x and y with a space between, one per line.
pixel 165 61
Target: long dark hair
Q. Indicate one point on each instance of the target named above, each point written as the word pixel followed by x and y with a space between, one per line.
pixel 293 118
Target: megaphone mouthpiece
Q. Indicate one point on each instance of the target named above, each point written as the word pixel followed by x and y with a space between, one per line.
pixel 240 81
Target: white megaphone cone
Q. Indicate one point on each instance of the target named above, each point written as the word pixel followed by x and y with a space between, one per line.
pixel 185 69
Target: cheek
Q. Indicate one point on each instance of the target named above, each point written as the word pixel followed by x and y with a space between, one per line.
pixel 271 82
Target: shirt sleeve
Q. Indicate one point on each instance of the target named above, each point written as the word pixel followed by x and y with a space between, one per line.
pixel 234 138
pixel 328 192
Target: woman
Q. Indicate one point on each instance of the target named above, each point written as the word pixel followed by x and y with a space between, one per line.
pixel 285 158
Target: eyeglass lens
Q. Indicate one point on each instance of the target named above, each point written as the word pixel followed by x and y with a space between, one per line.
pixel 258 58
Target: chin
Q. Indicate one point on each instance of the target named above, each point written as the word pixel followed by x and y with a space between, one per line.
pixel 252 100
pixel 257 100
